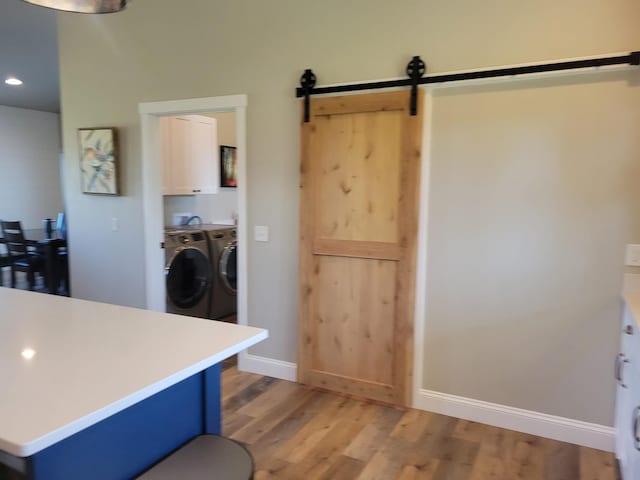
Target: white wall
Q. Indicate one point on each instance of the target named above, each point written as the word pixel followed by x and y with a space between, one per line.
pixel 160 50
pixel 221 207
pixel 534 194
pixel 30 184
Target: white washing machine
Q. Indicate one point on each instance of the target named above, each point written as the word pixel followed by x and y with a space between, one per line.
pixel 188 272
pixel 223 247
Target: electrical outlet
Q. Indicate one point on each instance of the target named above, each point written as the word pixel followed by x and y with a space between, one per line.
pixel 633 256
pixel 261 233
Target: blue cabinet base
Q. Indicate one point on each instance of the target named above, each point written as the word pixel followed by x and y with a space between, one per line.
pixel 128 443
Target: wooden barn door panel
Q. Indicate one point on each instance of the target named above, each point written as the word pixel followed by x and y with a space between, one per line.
pixel 359 180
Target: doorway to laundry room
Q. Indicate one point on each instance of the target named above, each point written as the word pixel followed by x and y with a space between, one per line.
pixel 200 205
pixel 195 206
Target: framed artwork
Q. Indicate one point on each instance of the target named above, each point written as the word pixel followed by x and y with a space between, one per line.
pixel 99 160
pixel 228 166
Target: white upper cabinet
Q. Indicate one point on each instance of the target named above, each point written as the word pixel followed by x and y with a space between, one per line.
pixel 190 155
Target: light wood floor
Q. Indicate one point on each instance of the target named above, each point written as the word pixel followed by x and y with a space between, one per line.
pixel 300 433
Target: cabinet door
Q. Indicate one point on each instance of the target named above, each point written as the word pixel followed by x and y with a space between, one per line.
pixel 623 394
pixel 623 405
pixel 180 152
pixel 633 408
pixel 204 154
pixel 167 185
pixel 627 417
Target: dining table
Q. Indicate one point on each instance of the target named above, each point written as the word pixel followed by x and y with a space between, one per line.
pixel 48 245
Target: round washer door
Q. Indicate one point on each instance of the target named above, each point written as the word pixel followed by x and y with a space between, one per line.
pixel 228 267
pixel 188 277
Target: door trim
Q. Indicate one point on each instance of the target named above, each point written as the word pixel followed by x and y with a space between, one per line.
pixel 420 306
pixel 150 114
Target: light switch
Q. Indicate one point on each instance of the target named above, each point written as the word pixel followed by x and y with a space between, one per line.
pixel 114 224
pixel 633 256
pixel 261 233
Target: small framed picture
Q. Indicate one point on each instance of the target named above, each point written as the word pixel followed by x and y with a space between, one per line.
pixel 99 160
pixel 228 167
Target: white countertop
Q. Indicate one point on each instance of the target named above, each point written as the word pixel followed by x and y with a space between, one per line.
pixel 92 360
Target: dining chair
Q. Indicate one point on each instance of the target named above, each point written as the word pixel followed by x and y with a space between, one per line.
pixel 62 267
pixel 5 261
pixel 22 258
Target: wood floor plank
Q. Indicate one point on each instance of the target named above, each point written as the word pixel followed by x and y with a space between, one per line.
pixel 425 471
pixel 235 383
pixel 562 461
pixel 270 470
pixel 457 456
pixel 343 468
pixel 232 422
pixel 270 398
pixel 332 445
pixel 468 430
pixel 490 460
pixel 248 394
pixel 298 433
pixel 527 461
pixel 303 441
pixel 368 441
pixel 271 445
pixel 448 470
pixel 388 462
pixel 412 425
pixel 269 418
pixel 597 465
pixel 487 467
pixel 349 422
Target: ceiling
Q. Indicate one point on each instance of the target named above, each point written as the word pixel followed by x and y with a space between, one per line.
pixel 29 52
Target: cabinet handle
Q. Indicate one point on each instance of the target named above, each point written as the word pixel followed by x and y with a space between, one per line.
pixel 621 361
pixel 629 330
pixel 617 368
pixel 635 424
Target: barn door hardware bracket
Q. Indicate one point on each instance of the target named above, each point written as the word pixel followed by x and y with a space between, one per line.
pixel 307 82
pixel 416 70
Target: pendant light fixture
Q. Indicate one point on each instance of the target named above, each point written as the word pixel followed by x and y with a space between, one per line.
pixel 82 6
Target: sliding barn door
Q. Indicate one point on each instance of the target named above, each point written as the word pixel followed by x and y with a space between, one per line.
pixel 360 175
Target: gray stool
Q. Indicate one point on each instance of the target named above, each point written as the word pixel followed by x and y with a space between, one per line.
pixel 205 457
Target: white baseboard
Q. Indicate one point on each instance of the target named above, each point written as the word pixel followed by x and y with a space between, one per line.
pixel 541 424
pixel 267 366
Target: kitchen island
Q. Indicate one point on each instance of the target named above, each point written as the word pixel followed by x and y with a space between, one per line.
pixel 92 390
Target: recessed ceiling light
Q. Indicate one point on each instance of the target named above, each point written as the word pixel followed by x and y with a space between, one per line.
pixel 13 81
pixel 28 353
